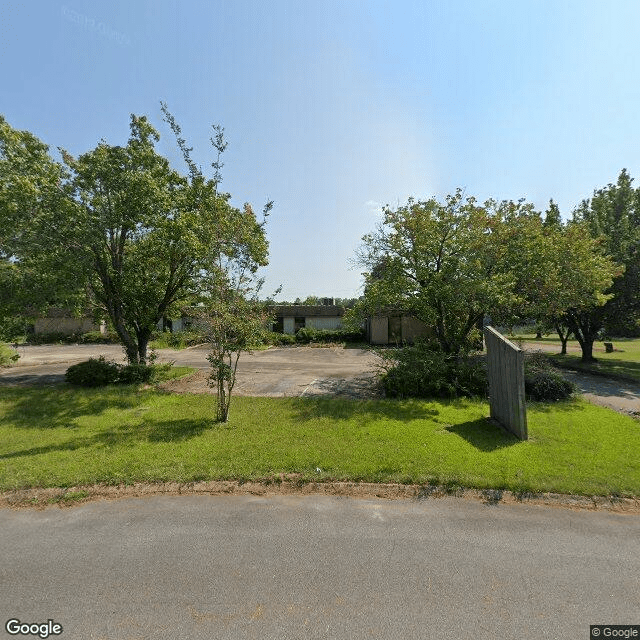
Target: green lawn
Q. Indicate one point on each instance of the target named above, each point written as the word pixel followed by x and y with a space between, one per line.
pixel 623 363
pixel 59 437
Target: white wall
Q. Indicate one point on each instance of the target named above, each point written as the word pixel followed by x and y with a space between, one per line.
pixel 323 322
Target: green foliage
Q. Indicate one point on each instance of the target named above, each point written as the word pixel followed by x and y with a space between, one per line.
pixel 142 235
pixel 280 339
pixel 13 328
pixel 418 371
pixel 90 337
pixel 544 383
pixel 8 356
pixel 308 334
pixel 99 372
pixel 235 322
pixel 450 264
pixel 176 339
pixel 95 372
pixel 613 215
pixel 72 437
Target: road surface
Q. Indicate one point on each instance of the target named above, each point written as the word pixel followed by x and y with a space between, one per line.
pixel 204 567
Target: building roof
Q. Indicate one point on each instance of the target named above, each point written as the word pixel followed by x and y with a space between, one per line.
pixel 306 310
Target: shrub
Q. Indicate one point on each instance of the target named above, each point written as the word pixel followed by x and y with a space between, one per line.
pixel 417 371
pixel 281 339
pixel 8 356
pixel 96 337
pixel 176 340
pixel 95 372
pixel 308 334
pixel 90 337
pixel 13 329
pixel 542 382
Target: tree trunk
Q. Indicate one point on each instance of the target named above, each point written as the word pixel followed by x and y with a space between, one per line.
pixel 585 331
pixel 129 344
pixel 587 351
pixel 143 341
pixel 564 337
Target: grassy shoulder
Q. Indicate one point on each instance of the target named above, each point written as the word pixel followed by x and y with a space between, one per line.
pixel 67 437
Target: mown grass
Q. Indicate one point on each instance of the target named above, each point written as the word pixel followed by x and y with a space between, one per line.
pixel 63 437
pixel 623 363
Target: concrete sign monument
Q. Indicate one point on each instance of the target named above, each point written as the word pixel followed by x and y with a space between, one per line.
pixel 505 369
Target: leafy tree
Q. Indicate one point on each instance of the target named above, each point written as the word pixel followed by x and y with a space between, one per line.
pixel 451 264
pixel 235 322
pixel 613 214
pixel 581 274
pixel 447 264
pixel 137 235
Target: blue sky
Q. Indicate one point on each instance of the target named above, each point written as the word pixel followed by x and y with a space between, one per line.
pixel 333 109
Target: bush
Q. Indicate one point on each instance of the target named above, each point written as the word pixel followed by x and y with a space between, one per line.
pixel 90 337
pixel 8 356
pixel 417 371
pixel 308 334
pixel 96 337
pixel 176 340
pixel 280 339
pixel 98 372
pixel 95 372
pixel 542 382
pixel 13 329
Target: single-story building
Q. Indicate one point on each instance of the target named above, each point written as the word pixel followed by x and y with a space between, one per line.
pixel 58 320
pixel 396 328
pixel 291 317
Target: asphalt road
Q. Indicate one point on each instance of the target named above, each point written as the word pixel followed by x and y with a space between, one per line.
pixel 203 567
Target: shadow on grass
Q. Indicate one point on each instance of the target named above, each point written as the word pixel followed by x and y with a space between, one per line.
pixel 311 408
pixel 569 406
pixel 126 434
pixel 59 407
pixel 604 366
pixel 483 435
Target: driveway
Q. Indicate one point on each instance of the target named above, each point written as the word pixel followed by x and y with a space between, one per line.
pixel 291 567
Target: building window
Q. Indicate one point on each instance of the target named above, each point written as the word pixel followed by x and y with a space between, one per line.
pixel 298 323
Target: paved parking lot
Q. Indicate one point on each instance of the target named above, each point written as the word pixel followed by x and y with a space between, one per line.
pixel 277 372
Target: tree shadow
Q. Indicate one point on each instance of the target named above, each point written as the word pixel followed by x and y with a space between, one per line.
pixel 177 430
pixel 569 405
pixel 484 434
pixel 59 407
pixel 125 434
pixel 311 408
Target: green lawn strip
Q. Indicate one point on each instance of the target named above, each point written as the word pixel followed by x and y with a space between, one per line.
pixel 67 437
pixel 174 373
pixel 622 364
pixel 604 367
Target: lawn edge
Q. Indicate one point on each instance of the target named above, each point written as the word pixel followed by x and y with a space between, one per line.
pixel 578 368
pixel 42 498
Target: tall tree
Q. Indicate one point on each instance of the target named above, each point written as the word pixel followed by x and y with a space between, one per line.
pixel 451 264
pixel 118 220
pixel 613 214
pixel 445 263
